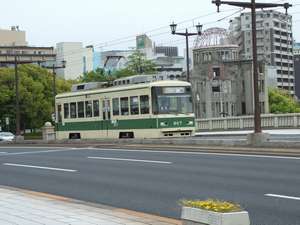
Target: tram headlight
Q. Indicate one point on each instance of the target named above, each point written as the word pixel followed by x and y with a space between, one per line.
pixel 163 124
pixel 190 123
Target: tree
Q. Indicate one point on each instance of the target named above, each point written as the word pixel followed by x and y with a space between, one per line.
pixel 36 95
pixel 138 63
pixel 280 101
pixel 94 76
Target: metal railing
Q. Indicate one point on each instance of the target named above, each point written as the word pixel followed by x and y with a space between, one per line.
pixel 268 121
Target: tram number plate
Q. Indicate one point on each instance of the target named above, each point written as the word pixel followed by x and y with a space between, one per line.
pixel 177 123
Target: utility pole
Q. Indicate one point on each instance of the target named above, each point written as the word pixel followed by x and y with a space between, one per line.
pixel 18 130
pixel 253 6
pixel 54 67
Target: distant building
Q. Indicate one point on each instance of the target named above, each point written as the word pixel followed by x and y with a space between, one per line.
pixel 297 68
pixel 13 43
pixel 13 37
pixel 78 59
pixel 222 83
pixel 27 54
pixel 144 44
pixel 171 67
pixel 170 51
pixel 115 59
pixel 97 61
pixel 274 43
pixel 143 41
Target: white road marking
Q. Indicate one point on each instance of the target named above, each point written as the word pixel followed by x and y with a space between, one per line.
pixel 199 153
pixel 30 147
pixel 35 152
pixel 3 152
pixel 39 167
pixel 283 196
pixel 130 160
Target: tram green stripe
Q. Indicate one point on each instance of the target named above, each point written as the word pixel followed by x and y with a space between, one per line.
pixel 127 124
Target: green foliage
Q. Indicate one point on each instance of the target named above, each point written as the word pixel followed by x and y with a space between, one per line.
pixel 123 73
pixel 281 102
pixel 36 95
pixel 138 63
pixel 94 76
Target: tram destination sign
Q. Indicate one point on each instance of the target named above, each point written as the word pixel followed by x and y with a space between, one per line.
pixel 174 90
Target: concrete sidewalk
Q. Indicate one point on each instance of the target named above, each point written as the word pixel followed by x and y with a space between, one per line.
pixel 32 208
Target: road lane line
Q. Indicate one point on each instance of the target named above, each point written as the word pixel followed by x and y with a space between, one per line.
pixel 3 152
pixel 195 153
pixel 30 147
pixel 130 160
pixel 283 196
pixel 35 152
pixel 38 167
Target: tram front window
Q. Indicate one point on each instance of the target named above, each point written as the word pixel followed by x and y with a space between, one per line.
pixel 174 100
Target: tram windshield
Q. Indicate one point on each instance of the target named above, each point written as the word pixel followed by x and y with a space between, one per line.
pixel 174 100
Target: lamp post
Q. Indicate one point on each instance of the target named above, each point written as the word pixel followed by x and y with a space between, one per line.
pixel 54 67
pixel 173 27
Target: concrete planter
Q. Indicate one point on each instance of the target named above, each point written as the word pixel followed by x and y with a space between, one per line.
pixel 194 216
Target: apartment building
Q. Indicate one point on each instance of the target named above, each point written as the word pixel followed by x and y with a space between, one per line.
pixel 274 43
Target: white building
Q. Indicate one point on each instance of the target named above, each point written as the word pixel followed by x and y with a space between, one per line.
pixel 78 59
pixel 274 43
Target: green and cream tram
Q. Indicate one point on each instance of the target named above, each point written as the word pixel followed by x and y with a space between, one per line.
pixel 156 109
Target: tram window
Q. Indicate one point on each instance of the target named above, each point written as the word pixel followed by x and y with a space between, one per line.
pixel 59 113
pixel 88 108
pixel 96 108
pixel 80 106
pixel 134 105
pixel 124 106
pixel 144 102
pixel 104 108
pixel 116 106
pixel 66 110
pixel 73 110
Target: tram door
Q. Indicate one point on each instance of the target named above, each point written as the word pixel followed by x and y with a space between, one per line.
pixel 106 115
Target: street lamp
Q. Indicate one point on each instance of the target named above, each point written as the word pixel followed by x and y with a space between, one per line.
pixel 54 67
pixel 173 27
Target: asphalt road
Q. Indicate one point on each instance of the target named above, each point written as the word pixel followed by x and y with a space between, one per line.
pixel 154 182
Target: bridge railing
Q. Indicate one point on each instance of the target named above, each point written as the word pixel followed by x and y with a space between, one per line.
pixel 268 121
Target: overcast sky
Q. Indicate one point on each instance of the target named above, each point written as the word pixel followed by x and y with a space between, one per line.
pixel 99 22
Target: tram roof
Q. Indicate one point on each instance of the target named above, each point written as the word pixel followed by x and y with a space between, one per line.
pixel 161 83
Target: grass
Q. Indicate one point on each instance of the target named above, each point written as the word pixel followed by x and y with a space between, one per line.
pixel 33 136
pixel 213 205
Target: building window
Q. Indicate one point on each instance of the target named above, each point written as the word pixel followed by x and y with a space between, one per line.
pixel 124 106
pixel 96 108
pixel 66 110
pixel 134 105
pixel 216 73
pixel 73 110
pixel 216 88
